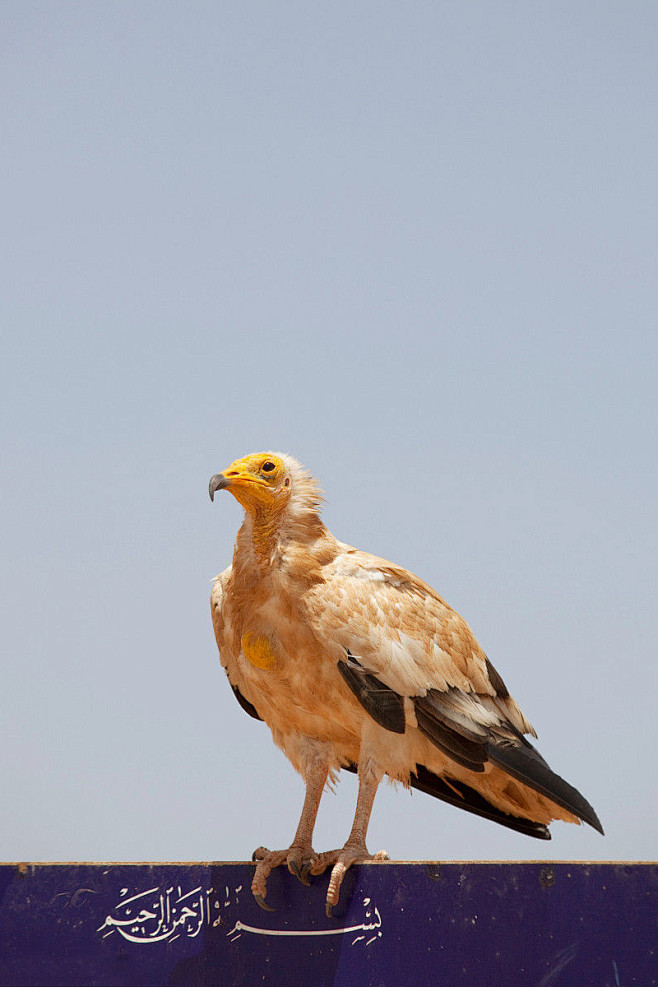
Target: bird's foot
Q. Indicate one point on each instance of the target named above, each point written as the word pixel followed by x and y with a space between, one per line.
pixel 299 860
pixel 340 861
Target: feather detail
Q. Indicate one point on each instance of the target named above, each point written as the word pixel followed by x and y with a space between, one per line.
pixel 245 704
pixel 382 703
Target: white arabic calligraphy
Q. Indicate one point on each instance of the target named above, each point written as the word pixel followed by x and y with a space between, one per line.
pixel 171 914
pixel 241 927
pixel 159 915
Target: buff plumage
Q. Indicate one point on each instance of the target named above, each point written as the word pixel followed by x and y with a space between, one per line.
pixel 355 663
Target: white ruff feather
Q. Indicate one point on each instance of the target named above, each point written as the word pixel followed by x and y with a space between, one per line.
pixel 305 495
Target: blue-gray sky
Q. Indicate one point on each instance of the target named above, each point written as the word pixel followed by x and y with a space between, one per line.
pixel 414 245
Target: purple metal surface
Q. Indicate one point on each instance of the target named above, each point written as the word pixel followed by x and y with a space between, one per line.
pixel 458 925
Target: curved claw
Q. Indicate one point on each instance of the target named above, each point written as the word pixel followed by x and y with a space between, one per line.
pixel 260 900
pixel 306 870
pixel 327 909
pixel 301 873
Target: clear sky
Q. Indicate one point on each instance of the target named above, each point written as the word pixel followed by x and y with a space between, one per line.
pixel 412 244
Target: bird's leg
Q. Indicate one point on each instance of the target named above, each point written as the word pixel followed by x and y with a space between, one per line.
pixel 300 855
pixel 355 850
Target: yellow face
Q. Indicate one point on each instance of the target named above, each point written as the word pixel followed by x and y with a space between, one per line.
pixel 259 481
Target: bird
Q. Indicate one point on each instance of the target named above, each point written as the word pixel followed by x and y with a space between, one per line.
pixel 355 663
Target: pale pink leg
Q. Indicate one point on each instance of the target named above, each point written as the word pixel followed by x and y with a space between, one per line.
pixel 355 850
pixel 300 855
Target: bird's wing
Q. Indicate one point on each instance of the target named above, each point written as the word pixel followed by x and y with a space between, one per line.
pixel 216 607
pixel 399 630
pixel 409 657
pixel 217 595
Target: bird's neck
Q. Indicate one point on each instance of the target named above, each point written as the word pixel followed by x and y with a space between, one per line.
pixel 260 532
pixel 264 535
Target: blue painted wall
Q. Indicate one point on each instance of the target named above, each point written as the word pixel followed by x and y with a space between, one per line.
pixel 476 925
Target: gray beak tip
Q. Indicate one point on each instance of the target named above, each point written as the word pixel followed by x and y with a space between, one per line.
pixel 217 482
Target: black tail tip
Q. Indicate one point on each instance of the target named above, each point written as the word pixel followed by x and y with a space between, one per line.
pixel 593 820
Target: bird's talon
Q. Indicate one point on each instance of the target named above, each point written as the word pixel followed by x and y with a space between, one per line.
pixel 301 873
pixel 260 900
pixel 259 853
pixel 327 909
pixel 306 870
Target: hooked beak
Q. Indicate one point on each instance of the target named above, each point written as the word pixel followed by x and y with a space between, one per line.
pixel 217 482
pixel 236 479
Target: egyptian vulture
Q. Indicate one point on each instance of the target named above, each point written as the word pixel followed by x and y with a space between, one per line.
pixel 355 663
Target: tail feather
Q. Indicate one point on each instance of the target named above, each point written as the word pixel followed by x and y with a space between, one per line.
pixel 457 726
pixel 523 762
pixel 463 797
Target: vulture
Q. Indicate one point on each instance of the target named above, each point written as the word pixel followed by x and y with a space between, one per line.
pixel 355 663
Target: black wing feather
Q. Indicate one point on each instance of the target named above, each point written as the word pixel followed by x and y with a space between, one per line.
pixel 381 702
pixel 464 750
pixel 246 705
pixel 444 719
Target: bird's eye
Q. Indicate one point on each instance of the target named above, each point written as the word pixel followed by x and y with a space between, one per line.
pixel 268 467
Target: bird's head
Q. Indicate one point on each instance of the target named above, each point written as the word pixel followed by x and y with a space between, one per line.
pixel 277 493
pixel 260 482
